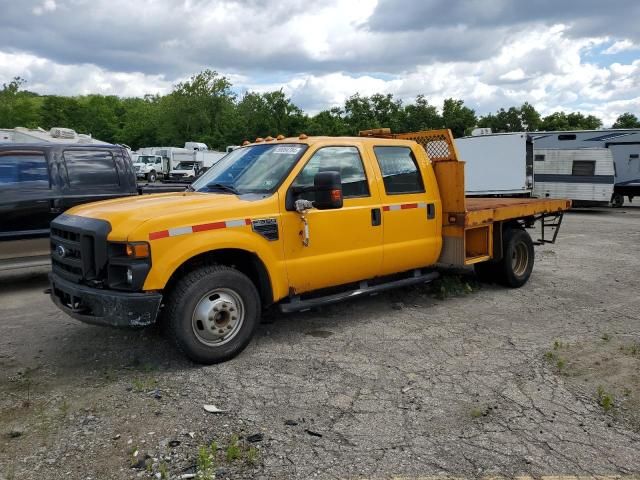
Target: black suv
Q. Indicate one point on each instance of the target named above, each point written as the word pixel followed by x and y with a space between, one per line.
pixel 40 181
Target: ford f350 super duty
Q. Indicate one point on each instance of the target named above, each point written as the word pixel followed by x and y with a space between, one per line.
pixel 292 223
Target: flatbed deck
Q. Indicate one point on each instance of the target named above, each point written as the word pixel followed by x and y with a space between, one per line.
pixel 485 210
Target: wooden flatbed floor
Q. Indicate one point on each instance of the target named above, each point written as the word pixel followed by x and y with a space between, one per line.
pixel 486 210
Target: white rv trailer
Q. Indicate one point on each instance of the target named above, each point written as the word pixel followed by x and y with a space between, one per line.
pixel 40 135
pixel 624 145
pixel 584 175
pixel 499 164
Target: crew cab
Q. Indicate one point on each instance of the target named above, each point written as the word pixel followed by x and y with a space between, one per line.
pixel 40 180
pixel 291 223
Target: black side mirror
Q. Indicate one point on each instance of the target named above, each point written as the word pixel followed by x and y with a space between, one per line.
pixel 328 190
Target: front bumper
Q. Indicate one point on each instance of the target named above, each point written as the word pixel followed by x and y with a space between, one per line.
pixel 104 307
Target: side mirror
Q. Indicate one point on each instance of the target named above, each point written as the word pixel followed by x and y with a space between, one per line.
pixel 328 190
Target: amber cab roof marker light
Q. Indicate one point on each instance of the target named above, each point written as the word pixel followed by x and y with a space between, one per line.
pixel 303 136
pixel 280 137
pixel 268 139
pixel 259 139
pixel 246 142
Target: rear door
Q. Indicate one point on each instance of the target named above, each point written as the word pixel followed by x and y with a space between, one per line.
pixel 345 244
pixel 410 200
pixel 95 174
pixel 25 203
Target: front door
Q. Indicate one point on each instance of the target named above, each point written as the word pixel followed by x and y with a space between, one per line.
pixel 26 204
pixel 345 244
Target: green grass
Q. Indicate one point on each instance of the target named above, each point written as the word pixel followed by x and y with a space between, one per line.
pixel 453 286
pixel 205 464
pixel 233 449
pixel 605 400
pixel 633 349
pixel 143 384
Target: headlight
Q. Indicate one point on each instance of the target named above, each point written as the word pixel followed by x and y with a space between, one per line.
pixel 128 265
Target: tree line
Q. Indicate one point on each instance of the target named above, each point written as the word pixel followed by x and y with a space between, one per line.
pixel 205 109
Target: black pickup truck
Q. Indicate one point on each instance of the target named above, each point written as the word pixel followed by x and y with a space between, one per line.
pixel 40 181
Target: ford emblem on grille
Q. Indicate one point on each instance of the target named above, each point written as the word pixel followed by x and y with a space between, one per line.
pixel 61 251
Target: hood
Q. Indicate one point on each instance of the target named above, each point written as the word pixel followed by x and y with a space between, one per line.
pixel 168 210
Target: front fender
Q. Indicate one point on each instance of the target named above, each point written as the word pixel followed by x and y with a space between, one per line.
pixel 170 252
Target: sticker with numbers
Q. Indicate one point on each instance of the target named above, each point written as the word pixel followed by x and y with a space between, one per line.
pixel 287 150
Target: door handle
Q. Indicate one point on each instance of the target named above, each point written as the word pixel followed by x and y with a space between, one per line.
pixel 376 217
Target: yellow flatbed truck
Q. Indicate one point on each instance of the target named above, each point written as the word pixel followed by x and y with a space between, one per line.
pixel 289 223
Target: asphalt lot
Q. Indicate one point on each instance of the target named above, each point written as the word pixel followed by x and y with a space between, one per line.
pixel 542 380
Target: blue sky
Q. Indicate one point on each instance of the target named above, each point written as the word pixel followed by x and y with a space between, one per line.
pixel 569 55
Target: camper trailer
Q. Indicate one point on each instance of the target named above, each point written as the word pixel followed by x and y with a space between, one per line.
pixel 499 164
pixel 584 175
pixel 623 144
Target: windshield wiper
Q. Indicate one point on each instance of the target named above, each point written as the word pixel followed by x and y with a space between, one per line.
pixel 190 188
pixel 223 187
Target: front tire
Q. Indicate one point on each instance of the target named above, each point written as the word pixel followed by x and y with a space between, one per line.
pixel 212 313
pixel 152 177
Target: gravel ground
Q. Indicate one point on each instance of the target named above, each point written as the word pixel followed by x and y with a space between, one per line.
pixel 542 380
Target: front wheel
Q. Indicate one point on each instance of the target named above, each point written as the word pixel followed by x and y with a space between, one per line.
pixel 212 313
pixel 152 177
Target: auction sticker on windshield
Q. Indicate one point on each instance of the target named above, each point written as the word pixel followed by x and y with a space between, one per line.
pixel 286 150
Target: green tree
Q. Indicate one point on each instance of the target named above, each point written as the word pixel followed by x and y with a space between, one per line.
pixel 572 121
pixel 329 122
pixel 421 116
pixel 530 117
pixel 524 118
pixel 627 120
pixel 18 108
pixel 200 109
pixel 457 117
pixel 359 114
pixel 57 111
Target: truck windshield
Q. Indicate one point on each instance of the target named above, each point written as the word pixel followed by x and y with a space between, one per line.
pixel 184 166
pixel 252 169
pixel 143 159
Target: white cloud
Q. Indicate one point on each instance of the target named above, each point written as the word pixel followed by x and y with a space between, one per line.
pixel 46 77
pixel 322 55
pixel 620 46
pixel 46 6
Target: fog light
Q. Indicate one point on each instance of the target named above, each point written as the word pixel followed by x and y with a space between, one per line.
pixel 129 276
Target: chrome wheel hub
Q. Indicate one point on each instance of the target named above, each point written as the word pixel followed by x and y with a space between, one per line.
pixel 218 317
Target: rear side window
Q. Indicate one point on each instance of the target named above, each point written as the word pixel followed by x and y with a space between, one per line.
pixel 28 169
pixel 539 158
pixel 88 168
pixel 583 168
pixel 399 170
pixel 344 160
pixel 567 136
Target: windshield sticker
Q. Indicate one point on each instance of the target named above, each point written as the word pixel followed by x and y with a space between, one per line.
pixel 286 150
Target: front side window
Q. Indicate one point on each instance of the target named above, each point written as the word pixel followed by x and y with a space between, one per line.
pixel 344 160
pixel 252 169
pixel 399 168
pixel 24 169
pixel 87 168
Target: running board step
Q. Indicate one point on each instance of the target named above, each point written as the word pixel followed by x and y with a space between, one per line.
pixel 297 305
